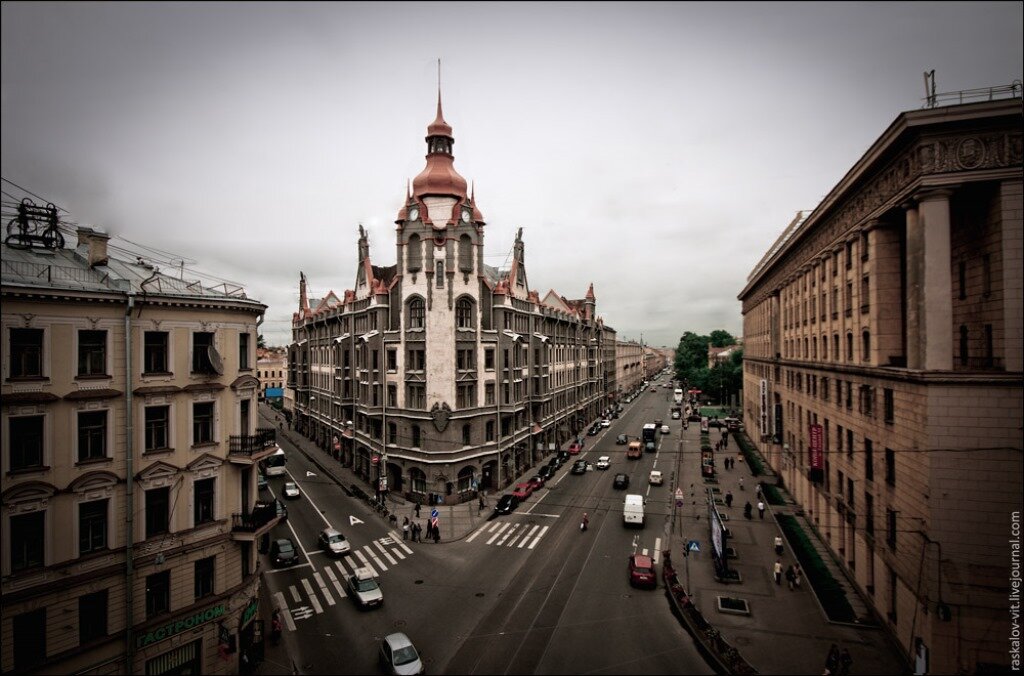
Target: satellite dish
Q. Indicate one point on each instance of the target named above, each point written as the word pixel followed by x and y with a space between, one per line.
pixel 215 361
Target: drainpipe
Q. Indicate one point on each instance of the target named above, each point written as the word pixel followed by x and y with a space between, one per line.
pixel 129 571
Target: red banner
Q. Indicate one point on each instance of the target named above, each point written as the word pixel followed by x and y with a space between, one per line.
pixel 817 460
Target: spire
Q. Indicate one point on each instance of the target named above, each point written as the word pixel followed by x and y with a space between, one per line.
pixel 478 217
pixel 590 292
pixel 303 301
pixel 439 176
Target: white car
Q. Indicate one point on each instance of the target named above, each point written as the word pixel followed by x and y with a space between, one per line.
pixel 655 478
pixel 333 542
pixel 291 490
pixel 665 429
pixel 604 462
pixel 606 423
pixel 675 415
pixel 399 656
pixel 364 589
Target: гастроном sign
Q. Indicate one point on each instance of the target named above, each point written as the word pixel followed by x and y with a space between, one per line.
pixel 177 626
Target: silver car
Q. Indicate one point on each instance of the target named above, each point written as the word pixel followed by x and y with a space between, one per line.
pixel 364 589
pixel 399 656
pixel 333 542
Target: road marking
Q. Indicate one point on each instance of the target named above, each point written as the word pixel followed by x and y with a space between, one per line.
pixel 398 553
pixel 334 580
pixel 479 530
pixel 510 531
pixel 295 593
pixel 319 513
pixel 323 588
pixel 513 540
pixel 553 516
pixel 286 614
pixel 373 555
pixel 657 550
pixel 366 562
pixel 285 570
pixel 353 521
pixel 303 613
pixel 312 597
pixel 537 539
pixel 528 536
pixel 501 527
pixel 385 553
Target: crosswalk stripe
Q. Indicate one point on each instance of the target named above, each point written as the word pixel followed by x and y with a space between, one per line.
pixel 385 553
pixel 285 612
pixel 477 532
pixel 373 555
pixel 500 529
pixel 334 580
pixel 537 539
pixel 323 588
pixel 511 530
pixel 526 539
pixel 398 553
pixel 295 594
pixel 657 550
pixel 403 546
pixel 312 597
pixel 366 561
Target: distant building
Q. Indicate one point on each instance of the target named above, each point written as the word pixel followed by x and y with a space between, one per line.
pixel 272 369
pixel 882 375
pixel 130 441
pixel 721 355
pixel 439 375
pixel 629 365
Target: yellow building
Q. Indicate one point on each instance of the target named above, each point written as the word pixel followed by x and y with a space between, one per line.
pixel 129 509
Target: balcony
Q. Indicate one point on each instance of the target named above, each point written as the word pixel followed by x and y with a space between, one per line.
pixel 265 515
pixel 248 449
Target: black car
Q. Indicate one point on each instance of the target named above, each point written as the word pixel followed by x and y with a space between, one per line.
pixel 620 481
pixel 622 440
pixel 506 504
pixel 547 471
pixel 563 457
pixel 593 431
pixel 282 553
pixel 555 462
pixel 579 467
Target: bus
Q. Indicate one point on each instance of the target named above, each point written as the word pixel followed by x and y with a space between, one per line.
pixel 650 432
pixel 274 464
pixel 678 396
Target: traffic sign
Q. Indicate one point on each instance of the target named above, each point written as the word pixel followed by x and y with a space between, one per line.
pixel 679 494
pixel 693 546
pixel 434 514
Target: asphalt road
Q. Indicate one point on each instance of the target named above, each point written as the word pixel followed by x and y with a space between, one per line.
pixel 525 593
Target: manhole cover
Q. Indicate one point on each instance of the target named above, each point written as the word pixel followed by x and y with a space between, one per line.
pixel 418 582
pixel 480 595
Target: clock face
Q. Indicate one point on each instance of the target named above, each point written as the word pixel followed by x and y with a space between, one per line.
pixel 414 213
pixel 465 216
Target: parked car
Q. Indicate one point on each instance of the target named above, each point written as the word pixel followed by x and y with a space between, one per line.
pixel 575 448
pixel 622 439
pixel 606 423
pixel 579 467
pixel 604 462
pixel 523 491
pixel 563 457
pixel 620 481
pixel 282 553
pixel 537 481
pixel 655 479
pixel 506 504
pixel 399 656
pixel 593 431
pixel 364 590
pixel 291 490
pixel 547 471
pixel 665 429
pixel 675 415
pixel 261 481
pixel 333 542
pixel 641 571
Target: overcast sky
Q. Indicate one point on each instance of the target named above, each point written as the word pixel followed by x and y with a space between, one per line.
pixel 656 150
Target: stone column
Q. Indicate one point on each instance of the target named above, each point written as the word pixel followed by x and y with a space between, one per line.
pixel 1012 349
pixel 914 269
pixel 935 312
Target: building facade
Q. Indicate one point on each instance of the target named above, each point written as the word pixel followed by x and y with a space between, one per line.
pixel 882 375
pixel 440 376
pixel 129 505
pixel 272 371
pixel 629 365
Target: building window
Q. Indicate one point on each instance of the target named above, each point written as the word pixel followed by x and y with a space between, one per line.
pixel 889 405
pixel 416 395
pixel 203 497
pixel 869 459
pixel 202 423
pixel 92 616
pixel 467 435
pixel 890 528
pixel 964 352
pixel 414 255
pixel 869 514
pixel 465 254
pixel 839 439
pixel 243 352
pixel 989 354
pixel 204 571
pixel 865 345
pixel 158 421
pixel 489 359
pixel 865 297
pixel 986 276
pixel 392 357
pixel 849 255
pixel 92 353
pixel 417 360
pixel 864 246
pixel 29 639
pixel 849 395
pixel 439 274
pixel 26 442
pixel 202 346
pixel 893 599
pixel 392 433
pixel 92 526
pixel 157 511
pixel 26 353
pixel 27 540
pixel 890 467
pixel 466 395
pixel 158 593
pixel 464 360
pixel 392 396
pixel 835 346
pixel 92 435
pixel 464 314
pixel 416 436
pixel 489 394
pixel 489 431
pixel 962 269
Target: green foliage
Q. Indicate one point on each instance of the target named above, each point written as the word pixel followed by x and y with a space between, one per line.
pixel 749 454
pixel 830 594
pixel 260 341
pixel 720 338
pixel 772 494
pixel 719 382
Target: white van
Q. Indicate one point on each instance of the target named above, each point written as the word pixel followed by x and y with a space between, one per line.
pixel 633 511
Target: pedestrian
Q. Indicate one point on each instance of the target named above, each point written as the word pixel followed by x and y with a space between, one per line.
pixel 845 662
pixel 746 510
pixel 728 498
pixel 797 575
pixel 778 545
pixel 437 535
pixel 777 570
pixel 758 489
pixel 790 577
pixel 741 483
pixel 832 660
pixel 481 498
pixel 405 528
pixel 275 627
pixel 760 509
pixel 417 509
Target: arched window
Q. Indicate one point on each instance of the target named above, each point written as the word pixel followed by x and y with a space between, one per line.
pixel 392 433
pixel 849 346
pixel 835 347
pixel 414 255
pixel 824 347
pixel 417 480
pixel 416 436
pixel 465 479
pixel 464 313
pixel 465 254
pixel 964 352
pixel 865 345
pixel 814 347
pixel 417 311
pixel 467 435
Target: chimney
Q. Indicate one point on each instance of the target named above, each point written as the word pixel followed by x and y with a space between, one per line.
pixel 97 242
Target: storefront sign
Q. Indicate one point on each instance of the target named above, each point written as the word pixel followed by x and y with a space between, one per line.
pixel 817 461
pixel 249 612
pixel 763 413
pixel 180 625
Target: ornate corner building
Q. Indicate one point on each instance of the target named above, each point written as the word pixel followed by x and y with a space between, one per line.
pixel 439 376
pixel 129 496
pixel 882 375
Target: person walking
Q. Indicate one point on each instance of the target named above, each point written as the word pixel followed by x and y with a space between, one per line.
pixel 275 627
pixel 728 498
pixel 760 509
pixel 437 535
pixel 845 662
pixel 832 661
pixel 790 577
pixel 778 545
pixel 741 483
pixel 797 575
pixel 777 571
pixel 405 528
pixel 417 509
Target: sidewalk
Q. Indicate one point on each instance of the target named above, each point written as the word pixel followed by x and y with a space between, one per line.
pixel 786 631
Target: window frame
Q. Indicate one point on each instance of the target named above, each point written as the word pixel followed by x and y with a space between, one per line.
pixel 199 423
pixel 204 577
pixel 158 594
pixel 92 353
pixel 28 356
pixel 16 445
pixel 152 526
pixel 31 547
pixel 88 436
pixel 156 351
pixel 204 501
pixel 94 527
pixel 93 616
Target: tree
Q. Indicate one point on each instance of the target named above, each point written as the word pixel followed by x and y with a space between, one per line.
pixel 260 342
pixel 720 338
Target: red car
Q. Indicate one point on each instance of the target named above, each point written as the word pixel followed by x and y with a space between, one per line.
pixel 523 491
pixel 575 448
pixel 641 571
pixel 537 482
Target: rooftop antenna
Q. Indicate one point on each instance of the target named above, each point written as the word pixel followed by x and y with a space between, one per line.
pixel 929 87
